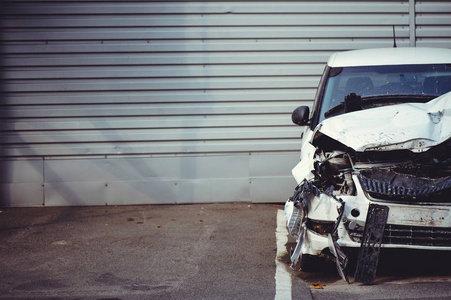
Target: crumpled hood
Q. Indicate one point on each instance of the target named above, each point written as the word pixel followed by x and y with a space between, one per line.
pixel 412 126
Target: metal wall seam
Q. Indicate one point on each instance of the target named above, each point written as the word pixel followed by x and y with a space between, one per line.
pixel 412 25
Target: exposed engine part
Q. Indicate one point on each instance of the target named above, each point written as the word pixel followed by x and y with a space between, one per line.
pixel 334 171
pixel 371 244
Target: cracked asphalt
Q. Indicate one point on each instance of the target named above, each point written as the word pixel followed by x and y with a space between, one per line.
pixel 199 251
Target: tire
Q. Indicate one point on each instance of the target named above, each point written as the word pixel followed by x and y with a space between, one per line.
pixel 307 262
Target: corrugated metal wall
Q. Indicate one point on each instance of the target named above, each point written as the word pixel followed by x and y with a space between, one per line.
pixel 174 101
pixel 433 24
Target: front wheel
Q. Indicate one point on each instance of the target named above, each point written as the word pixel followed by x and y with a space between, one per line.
pixel 307 262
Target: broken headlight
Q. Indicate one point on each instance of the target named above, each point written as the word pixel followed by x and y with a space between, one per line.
pixel 320 227
pixel 294 216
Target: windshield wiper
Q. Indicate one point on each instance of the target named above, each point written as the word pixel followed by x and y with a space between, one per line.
pixel 352 102
pixel 400 98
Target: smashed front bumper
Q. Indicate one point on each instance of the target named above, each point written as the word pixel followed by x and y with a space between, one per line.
pixel 325 223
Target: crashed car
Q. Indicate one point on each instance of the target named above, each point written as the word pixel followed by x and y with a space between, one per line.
pixel 375 168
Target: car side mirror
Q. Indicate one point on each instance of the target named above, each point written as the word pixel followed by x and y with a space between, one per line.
pixel 300 116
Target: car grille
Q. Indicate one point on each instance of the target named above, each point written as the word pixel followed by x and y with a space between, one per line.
pixel 431 191
pixel 410 235
pixel 415 235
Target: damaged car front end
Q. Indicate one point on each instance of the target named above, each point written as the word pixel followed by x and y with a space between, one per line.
pixel 375 168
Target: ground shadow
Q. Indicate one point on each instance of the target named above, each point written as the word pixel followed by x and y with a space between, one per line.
pixel 394 265
pixel 409 263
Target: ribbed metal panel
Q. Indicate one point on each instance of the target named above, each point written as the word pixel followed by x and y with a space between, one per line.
pixel 151 79
pixel 433 20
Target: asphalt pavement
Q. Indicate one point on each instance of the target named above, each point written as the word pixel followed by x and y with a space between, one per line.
pixel 199 251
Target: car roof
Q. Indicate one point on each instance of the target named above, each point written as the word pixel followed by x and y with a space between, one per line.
pixel 390 56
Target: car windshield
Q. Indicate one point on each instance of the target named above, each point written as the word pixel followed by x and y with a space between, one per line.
pixel 385 81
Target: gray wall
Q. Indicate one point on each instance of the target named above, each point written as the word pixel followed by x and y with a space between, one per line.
pixel 174 102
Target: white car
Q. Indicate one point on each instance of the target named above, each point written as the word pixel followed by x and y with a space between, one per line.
pixel 375 168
